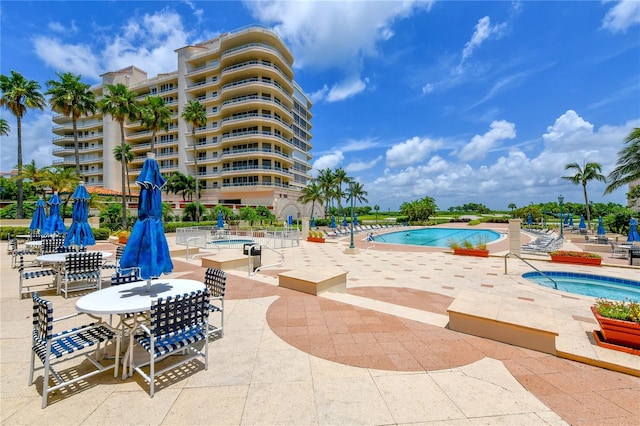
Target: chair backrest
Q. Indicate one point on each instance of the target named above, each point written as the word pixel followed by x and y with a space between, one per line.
pixel 124 276
pixel 82 262
pixel 42 319
pixel 180 313
pixel 215 280
pixel 51 244
pixel 70 249
pixel 35 235
pixel 119 252
pixel 12 246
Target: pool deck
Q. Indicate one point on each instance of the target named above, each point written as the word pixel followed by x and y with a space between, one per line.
pixel 381 353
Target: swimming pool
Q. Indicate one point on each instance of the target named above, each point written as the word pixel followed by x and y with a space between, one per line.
pixel 588 285
pixel 438 237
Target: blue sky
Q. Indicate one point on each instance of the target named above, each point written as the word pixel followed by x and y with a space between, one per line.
pixel 465 102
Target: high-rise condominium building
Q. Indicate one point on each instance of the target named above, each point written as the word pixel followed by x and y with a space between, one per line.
pixel 255 148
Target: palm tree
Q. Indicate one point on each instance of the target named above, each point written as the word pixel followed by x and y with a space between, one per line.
pixel 72 98
pixel 512 206
pixel 155 116
pixel 32 173
pixel 628 164
pixel 356 190
pixel 60 179
pixel 127 157
pixel 196 114
pixel 4 127
pixel 121 104
pixel 340 177
pixel 589 171
pixel 325 182
pixel 19 95
pixel 310 194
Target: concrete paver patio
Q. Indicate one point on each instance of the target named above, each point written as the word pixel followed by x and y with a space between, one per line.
pixel 379 354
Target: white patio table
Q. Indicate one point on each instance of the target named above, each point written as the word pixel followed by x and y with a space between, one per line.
pixel 133 298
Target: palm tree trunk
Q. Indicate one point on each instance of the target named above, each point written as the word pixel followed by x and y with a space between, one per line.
pixel 19 209
pixel 586 203
pixel 75 143
pixel 195 161
pixel 122 168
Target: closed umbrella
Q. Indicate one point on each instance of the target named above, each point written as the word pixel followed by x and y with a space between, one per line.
pixel 344 222
pixel 290 220
pixel 333 221
pixel 220 220
pixel 147 248
pixel 582 225
pixel 566 218
pixel 570 220
pixel 313 222
pixel 601 230
pixel 529 219
pixel 39 216
pixel 355 220
pixel 54 223
pixel 633 231
pixel 80 233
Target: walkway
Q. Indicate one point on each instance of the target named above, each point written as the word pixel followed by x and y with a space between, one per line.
pixel 379 354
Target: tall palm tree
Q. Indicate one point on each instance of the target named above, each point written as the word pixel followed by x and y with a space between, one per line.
pixel 155 116
pixel 310 194
pixel 196 114
pixel 326 183
pixel 123 153
pixel 589 171
pixel 120 103
pixel 628 164
pixel 60 179
pixel 18 96
pixel 340 177
pixel 72 98
pixel 4 127
pixel 356 190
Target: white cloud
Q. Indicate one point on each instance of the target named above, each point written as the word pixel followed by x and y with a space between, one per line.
pixel 36 141
pixel 622 16
pixel 411 151
pixel 330 161
pixel 148 42
pixel 569 126
pixel 358 165
pixel 483 31
pixel 481 144
pixel 76 58
pixel 335 35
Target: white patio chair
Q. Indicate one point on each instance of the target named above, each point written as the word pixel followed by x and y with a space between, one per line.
pixel 84 269
pixel 216 281
pixel 176 324
pixel 33 273
pixel 53 349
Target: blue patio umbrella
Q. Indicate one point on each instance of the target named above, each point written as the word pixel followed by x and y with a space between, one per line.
pixel 529 219
pixel 344 222
pixel 570 220
pixel 333 221
pixel 147 248
pixel 600 230
pixel 633 231
pixel 355 220
pixel 290 220
pixel 582 225
pixel 566 218
pixel 80 233
pixel 313 222
pixel 39 216
pixel 220 220
pixel 54 223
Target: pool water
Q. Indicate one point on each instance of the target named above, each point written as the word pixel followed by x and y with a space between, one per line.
pixel 588 285
pixel 438 237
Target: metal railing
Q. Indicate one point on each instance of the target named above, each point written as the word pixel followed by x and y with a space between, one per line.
pixel 207 237
pixel 506 256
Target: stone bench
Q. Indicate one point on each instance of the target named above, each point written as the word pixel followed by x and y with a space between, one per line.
pixel 314 281
pixel 507 320
pixel 226 260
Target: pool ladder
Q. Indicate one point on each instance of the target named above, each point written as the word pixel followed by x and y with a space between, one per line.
pixel 506 256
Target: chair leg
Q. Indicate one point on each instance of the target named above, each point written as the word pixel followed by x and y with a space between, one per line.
pixel 33 357
pixel 45 381
pixel 152 375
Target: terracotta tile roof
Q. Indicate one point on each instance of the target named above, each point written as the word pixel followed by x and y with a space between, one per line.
pixel 107 192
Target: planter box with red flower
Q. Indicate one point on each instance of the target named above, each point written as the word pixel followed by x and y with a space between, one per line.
pixel 471 252
pixel 618 332
pixel 576 257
